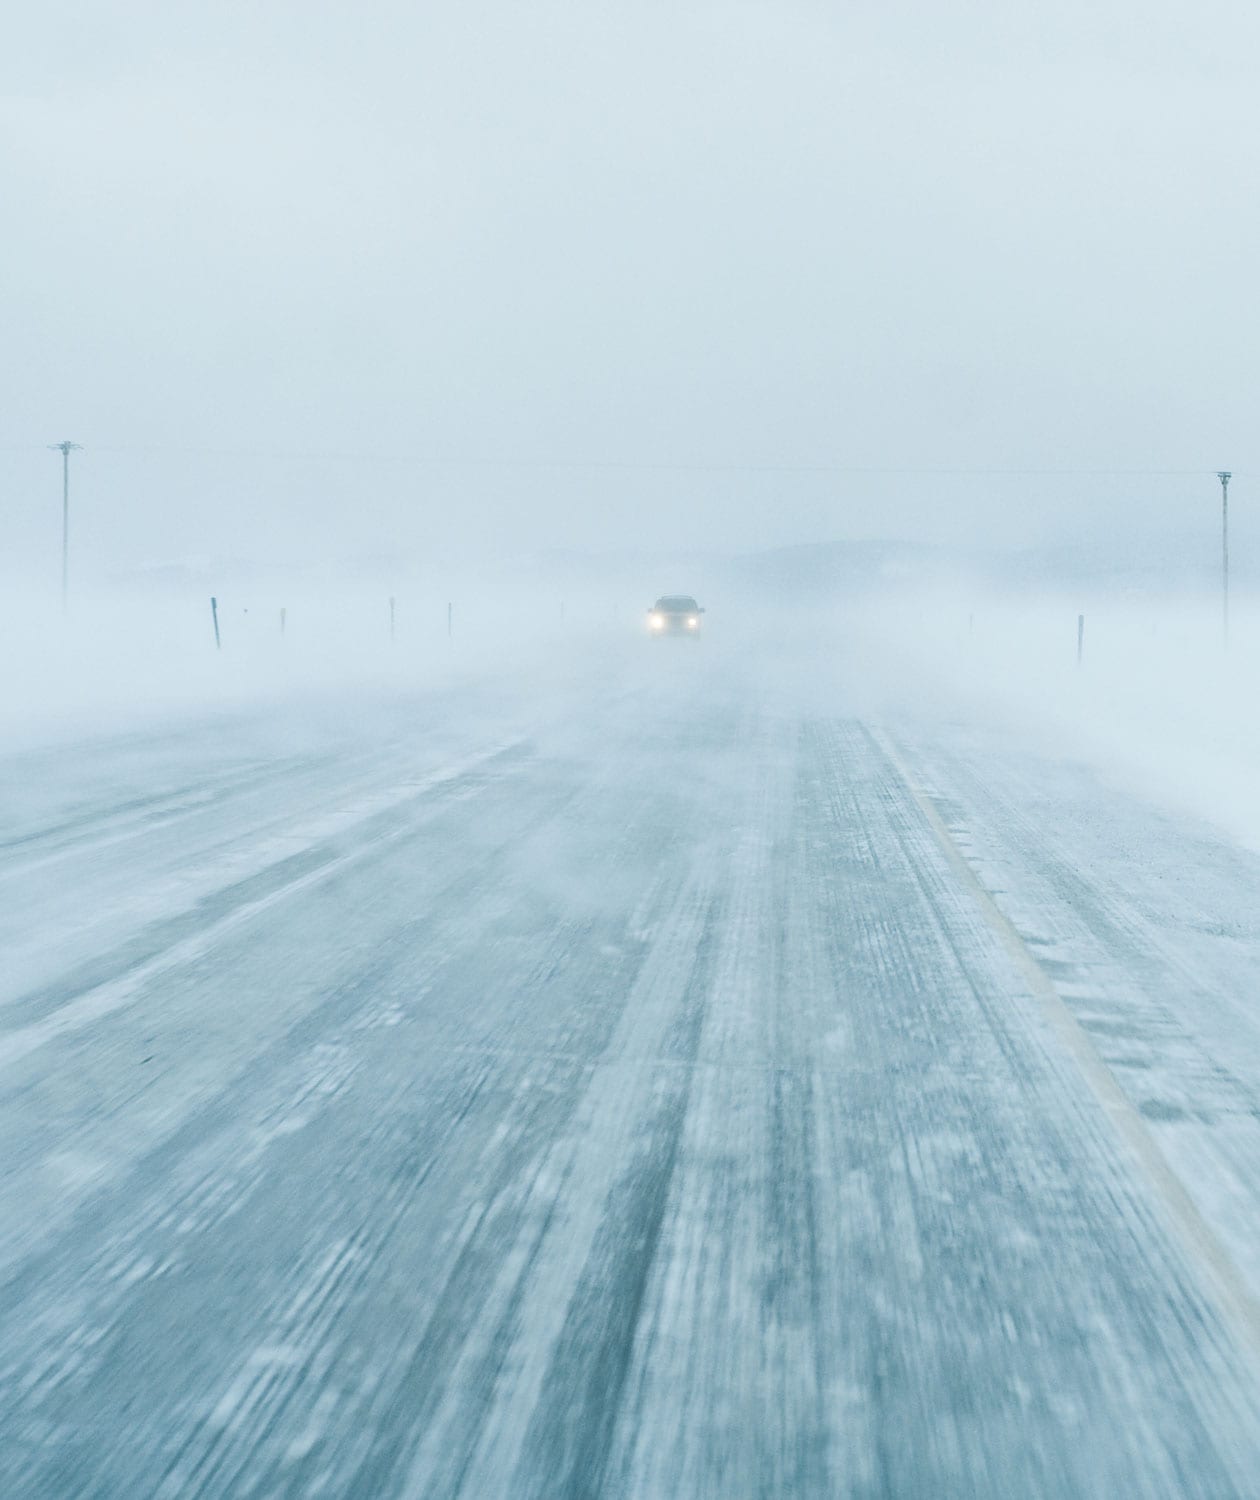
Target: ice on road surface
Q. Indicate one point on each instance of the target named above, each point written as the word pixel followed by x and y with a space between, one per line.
pixel 654 1090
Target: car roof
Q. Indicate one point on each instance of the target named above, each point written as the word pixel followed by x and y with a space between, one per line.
pixel 676 601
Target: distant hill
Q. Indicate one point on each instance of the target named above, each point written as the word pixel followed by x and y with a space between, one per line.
pixel 807 574
pixel 812 573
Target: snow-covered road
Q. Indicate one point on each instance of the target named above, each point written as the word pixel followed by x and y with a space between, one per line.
pixel 664 1089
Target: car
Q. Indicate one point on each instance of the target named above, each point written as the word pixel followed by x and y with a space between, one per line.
pixel 675 614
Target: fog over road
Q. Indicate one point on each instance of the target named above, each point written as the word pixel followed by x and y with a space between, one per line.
pixel 671 1084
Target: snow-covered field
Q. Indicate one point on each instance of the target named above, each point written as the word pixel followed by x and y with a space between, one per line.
pixel 816 1065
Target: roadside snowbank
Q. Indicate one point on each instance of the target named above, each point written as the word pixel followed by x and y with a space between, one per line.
pixel 1156 702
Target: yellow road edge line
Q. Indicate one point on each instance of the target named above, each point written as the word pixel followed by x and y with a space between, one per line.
pixel 1229 1286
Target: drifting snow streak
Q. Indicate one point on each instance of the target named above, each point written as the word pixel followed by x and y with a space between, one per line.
pixel 627 1115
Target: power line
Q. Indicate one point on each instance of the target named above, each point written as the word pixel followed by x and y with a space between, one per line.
pixel 428 460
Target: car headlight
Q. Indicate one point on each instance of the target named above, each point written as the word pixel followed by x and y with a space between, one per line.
pixel 656 621
pixel 693 623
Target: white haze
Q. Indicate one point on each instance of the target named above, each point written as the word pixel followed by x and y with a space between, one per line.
pixel 540 311
pixel 313 283
pixel 1155 704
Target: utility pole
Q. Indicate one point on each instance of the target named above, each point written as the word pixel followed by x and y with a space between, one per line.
pixel 1225 476
pixel 65 449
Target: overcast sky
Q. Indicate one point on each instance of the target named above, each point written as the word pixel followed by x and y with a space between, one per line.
pixel 308 277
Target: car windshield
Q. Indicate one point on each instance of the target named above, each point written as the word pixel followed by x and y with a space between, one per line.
pixel 677 604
